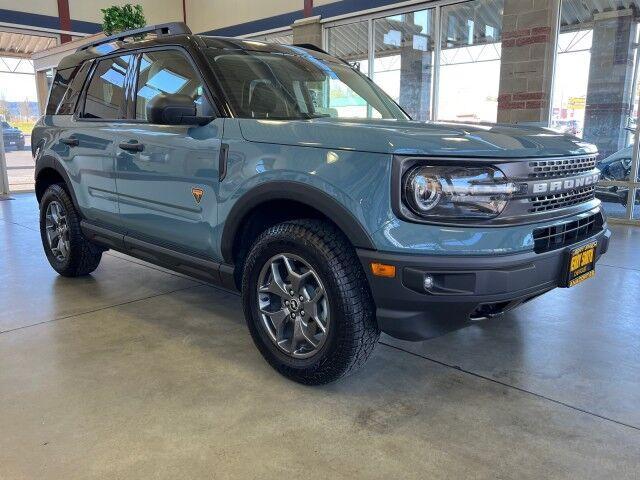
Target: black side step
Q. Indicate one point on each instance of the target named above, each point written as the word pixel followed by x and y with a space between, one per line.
pixel 206 270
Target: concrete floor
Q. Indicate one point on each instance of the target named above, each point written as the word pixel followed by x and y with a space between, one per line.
pixel 136 372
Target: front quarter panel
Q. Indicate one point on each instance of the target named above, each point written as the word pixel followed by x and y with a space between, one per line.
pixel 357 181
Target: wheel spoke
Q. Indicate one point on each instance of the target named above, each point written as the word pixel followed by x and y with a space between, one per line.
pixel 63 247
pixel 277 319
pixel 311 305
pixel 276 284
pixel 301 333
pixel 296 280
pixel 55 214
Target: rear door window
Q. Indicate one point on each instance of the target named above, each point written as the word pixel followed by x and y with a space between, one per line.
pixel 58 88
pixel 104 97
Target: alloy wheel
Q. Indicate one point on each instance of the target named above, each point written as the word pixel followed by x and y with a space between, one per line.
pixel 57 230
pixel 293 305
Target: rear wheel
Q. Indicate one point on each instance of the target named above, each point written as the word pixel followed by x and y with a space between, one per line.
pixel 68 251
pixel 307 303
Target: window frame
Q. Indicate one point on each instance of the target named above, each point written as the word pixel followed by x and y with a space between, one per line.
pixel 131 80
pixel 132 97
pixel 78 114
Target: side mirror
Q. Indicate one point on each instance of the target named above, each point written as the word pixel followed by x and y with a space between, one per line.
pixel 168 109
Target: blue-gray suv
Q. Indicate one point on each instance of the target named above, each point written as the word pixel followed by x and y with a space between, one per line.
pixel 284 173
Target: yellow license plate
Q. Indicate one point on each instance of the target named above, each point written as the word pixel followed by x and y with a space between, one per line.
pixel 582 264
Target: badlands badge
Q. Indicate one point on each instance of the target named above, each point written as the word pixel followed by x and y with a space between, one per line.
pixel 198 193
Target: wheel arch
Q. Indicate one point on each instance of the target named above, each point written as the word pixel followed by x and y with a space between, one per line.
pixel 303 199
pixel 49 171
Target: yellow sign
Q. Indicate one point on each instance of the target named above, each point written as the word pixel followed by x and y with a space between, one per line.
pixel 576 103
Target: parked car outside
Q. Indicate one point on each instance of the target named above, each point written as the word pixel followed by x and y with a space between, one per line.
pixel 12 136
pixel 240 163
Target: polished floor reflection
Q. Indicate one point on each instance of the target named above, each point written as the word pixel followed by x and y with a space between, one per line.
pixel 136 372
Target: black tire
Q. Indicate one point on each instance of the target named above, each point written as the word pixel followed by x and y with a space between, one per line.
pixel 353 331
pixel 83 257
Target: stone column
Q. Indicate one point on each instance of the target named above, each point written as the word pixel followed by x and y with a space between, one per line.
pixel 610 81
pixel 308 31
pixel 526 67
pixel 415 77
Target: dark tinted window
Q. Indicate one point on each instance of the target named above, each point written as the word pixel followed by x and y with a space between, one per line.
pixel 168 72
pixel 70 97
pixel 105 93
pixel 58 89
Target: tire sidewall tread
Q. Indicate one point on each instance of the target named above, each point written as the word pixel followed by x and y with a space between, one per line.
pixel 84 256
pixel 353 331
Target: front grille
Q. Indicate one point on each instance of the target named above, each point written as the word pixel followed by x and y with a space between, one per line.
pixel 561 167
pixel 564 234
pixel 545 203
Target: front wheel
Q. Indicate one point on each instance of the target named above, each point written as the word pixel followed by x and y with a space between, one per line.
pixel 307 303
pixel 68 251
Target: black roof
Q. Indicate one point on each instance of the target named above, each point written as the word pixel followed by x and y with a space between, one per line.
pixel 171 34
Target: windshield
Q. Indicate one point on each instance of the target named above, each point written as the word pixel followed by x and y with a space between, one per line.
pixel 277 85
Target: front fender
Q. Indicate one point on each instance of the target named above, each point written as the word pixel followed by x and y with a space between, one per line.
pixel 298 192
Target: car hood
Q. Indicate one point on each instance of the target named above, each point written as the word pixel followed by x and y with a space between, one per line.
pixel 416 138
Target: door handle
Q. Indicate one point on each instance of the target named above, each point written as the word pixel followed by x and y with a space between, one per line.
pixel 132 147
pixel 71 141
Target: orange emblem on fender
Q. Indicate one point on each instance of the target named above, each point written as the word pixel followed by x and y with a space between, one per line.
pixel 198 193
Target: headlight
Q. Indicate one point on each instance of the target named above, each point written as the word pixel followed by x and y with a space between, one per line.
pixel 456 193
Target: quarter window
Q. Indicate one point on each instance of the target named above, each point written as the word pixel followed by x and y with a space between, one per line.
pixel 105 93
pixel 168 72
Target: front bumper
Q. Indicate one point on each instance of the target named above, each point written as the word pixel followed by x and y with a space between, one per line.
pixel 466 288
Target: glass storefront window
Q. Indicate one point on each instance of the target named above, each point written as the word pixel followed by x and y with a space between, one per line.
pixel 350 43
pixel 595 95
pixel 403 60
pixel 469 76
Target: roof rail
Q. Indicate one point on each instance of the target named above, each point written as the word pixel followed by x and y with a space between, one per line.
pixel 172 28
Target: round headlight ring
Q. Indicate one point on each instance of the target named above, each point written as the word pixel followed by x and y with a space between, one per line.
pixel 424 192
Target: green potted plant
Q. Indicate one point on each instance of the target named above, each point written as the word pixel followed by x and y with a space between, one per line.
pixel 118 19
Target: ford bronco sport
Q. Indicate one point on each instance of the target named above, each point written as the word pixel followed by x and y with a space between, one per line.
pixel 284 173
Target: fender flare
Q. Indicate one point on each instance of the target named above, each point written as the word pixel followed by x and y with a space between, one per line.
pixel 49 162
pixel 303 193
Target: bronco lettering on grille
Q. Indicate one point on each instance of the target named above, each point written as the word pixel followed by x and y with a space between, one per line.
pixel 565 184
